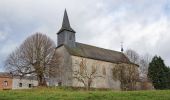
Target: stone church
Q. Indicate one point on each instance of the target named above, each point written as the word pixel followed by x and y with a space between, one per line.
pixel 72 53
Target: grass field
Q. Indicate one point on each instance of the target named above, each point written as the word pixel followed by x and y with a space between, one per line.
pixel 68 94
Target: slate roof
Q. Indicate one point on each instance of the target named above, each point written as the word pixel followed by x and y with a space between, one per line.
pixel 92 52
pixel 25 77
pixel 8 75
pixel 5 74
pixel 66 24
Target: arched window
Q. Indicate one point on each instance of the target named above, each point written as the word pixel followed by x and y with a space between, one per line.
pixel 104 70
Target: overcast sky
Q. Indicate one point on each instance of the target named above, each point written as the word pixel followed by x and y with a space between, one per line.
pixel 143 25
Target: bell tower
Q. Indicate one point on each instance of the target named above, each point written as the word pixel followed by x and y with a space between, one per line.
pixel 66 35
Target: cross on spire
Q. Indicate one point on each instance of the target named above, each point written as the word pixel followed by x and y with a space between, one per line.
pixel 122 47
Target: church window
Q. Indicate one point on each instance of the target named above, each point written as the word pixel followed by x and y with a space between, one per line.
pixel 104 71
pixel 94 69
pixel 82 67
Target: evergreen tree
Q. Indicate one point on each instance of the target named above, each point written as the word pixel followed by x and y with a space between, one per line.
pixel 159 73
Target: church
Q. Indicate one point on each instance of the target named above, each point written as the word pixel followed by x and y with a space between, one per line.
pixel 74 54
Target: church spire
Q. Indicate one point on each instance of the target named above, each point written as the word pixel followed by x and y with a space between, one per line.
pixel 66 35
pixel 66 24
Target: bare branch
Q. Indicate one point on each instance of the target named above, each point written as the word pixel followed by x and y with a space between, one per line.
pixel 84 74
pixel 35 56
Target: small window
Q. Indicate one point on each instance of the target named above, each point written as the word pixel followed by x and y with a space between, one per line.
pixel 5 83
pixel 29 85
pixel 20 84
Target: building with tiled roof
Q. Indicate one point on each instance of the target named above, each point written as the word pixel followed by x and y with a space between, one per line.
pixel 72 53
pixel 9 81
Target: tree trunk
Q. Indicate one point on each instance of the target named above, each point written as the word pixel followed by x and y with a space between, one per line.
pixel 41 81
pixel 89 84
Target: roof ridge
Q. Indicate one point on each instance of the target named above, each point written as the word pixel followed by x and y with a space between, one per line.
pixel 99 47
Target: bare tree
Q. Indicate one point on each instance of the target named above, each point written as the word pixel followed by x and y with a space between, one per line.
pixel 132 55
pixel 33 57
pixel 85 75
pixel 127 75
pixel 144 64
pixel 55 68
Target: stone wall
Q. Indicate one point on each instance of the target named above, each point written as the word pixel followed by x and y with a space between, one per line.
pixel 64 77
pixel 104 69
pixel 69 63
pixel 23 83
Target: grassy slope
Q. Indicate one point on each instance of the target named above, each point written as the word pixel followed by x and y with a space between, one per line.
pixel 61 94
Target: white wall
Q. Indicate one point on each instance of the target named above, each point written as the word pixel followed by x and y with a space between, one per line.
pixel 65 67
pixel 25 83
pixel 102 82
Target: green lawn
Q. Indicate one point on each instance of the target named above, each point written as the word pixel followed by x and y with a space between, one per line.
pixel 64 94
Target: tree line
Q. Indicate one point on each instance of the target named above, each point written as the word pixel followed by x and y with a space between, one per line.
pixel 151 69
